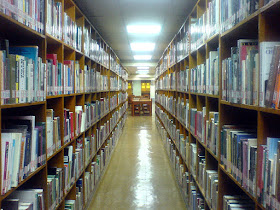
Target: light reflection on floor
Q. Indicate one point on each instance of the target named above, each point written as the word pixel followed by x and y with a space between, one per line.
pixel 144 193
pixel 139 175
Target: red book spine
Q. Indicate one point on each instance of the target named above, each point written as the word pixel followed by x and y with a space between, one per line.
pixel 4 184
pixel 72 124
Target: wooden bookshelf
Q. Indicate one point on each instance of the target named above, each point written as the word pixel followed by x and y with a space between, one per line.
pixel 257 24
pixel 51 39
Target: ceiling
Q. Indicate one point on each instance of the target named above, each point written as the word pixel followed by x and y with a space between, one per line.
pixel 110 18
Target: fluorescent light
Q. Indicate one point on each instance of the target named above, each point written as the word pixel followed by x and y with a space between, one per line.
pixel 143 67
pixel 142 71
pixel 143 29
pixel 142 57
pixel 142 46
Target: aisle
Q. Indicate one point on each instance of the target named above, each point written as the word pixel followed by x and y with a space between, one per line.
pixel 139 175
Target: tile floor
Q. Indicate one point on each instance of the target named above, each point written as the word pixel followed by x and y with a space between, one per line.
pixel 139 175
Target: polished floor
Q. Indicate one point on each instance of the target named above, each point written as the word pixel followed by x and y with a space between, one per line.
pixel 139 175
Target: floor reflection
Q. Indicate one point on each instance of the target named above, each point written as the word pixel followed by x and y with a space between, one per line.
pixel 139 175
pixel 144 191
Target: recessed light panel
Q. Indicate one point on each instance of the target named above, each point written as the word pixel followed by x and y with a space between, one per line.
pixel 143 67
pixel 143 29
pixel 142 71
pixel 142 46
pixel 142 57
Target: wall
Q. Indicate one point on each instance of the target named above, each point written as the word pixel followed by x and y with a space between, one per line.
pixel 136 87
pixel 152 89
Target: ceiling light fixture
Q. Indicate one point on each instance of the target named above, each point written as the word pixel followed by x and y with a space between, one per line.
pixel 142 57
pixel 142 46
pixel 143 67
pixel 143 29
pixel 142 71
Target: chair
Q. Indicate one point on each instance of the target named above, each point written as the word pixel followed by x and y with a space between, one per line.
pixel 146 109
pixel 130 97
pixel 137 110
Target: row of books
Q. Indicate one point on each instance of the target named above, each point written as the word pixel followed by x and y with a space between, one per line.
pixel 245 67
pixel 53 132
pixel 182 46
pixel 240 73
pixel 202 124
pixel 117 84
pixel 197 32
pixel 205 126
pixel 271 73
pixel 78 202
pixel 237 202
pixel 55 186
pixel 162 67
pixel 207 179
pixel 72 33
pixel 24 143
pixel 233 12
pixel 192 196
pixel 31 14
pixel 205 77
pixel 167 82
pixel 182 111
pixel 268 188
pixel 175 106
pixel 61 77
pixel 168 123
pixel 68 31
pixel 94 171
pixel 25 199
pixel 72 165
pixel 114 101
pixel 23 74
pixel 205 26
pixel 26 79
pixel 85 116
pixel 171 55
pixel 183 80
pixel 122 97
pixel 117 68
pixel 239 154
pixel 74 162
pixel 54 22
pixel 90 147
pixel 104 130
pixel 181 141
pixel 180 173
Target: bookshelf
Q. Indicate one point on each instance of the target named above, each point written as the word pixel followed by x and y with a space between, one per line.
pixel 220 134
pixel 75 93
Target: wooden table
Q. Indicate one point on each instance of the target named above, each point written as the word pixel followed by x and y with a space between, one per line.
pixel 140 102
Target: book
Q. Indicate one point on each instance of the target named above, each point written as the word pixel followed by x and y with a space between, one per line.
pixel 272 76
pixel 266 53
pixel 32 196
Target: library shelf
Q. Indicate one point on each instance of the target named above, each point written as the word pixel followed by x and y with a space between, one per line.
pixel 52 40
pixel 11 26
pixel 10 106
pixel 187 165
pixel 243 106
pixel 245 25
pixel 272 6
pixel 221 37
pixel 206 95
pixel 52 44
pixel 30 176
pixel 213 40
pixel 237 183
